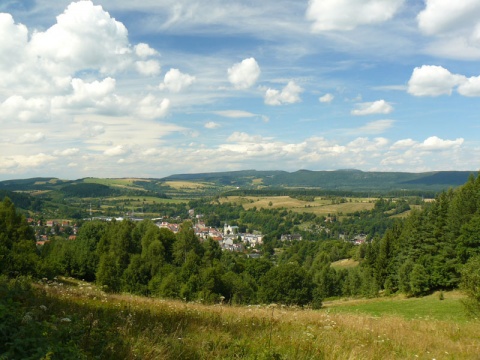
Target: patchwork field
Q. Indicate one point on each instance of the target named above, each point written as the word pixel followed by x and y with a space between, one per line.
pixel 320 206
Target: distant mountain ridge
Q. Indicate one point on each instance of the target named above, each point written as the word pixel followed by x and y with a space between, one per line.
pixel 344 179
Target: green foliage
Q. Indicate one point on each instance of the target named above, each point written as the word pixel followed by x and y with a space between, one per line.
pixel 287 284
pixel 18 254
pixel 84 190
pixel 470 284
pixel 28 331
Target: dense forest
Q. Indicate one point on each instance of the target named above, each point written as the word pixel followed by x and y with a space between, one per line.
pixel 426 251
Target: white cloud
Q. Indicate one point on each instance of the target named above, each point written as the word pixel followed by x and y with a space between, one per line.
pixel 176 81
pixel 152 108
pixel 25 110
pixel 67 152
pixel 148 68
pixel 212 125
pixel 242 137
pixel 93 130
pixel 144 50
pixel 327 98
pixel 14 40
pixel 375 127
pixel 471 87
pixel 24 162
pixel 86 93
pixel 434 143
pixel 290 94
pixel 446 16
pixel 84 37
pixel 404 144
pixel 116 151
pixel 245 74
pixel 236 114
pixel 95 96
pixel 31 138
pixel 371 108
pixel 348 14
pixel 363 144
pixel 431 80
pixel 455 26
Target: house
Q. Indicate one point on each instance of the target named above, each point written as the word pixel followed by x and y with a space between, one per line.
pixel 360 239
pixel 228 229
pixel 291 237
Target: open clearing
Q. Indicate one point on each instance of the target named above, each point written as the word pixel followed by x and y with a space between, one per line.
pixel 428 307
pixel 187 185
pixel 378 329
pixel 344 264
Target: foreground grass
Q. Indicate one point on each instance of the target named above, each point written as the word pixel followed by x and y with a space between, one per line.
pixel 127 327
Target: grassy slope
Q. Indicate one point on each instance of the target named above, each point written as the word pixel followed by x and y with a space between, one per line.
pixel 318 207
pixel 132 327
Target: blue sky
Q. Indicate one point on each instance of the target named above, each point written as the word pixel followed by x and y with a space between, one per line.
pixel 120 89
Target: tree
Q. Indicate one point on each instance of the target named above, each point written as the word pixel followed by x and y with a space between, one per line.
pixel 470 284
pixel 186 242
pixel 18 253
pixel 288 284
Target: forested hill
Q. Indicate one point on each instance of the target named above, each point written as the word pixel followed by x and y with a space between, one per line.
pixel 428 250
pixel 355 180
pixel 340 180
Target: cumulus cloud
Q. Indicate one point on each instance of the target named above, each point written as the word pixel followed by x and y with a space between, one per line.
pixel 471 87
pixel 152 108
pixel 31 138
pixel 327 98
pixel 144 50
pixel 175 81
pixel 245 74
pixel 455 26
pixel 242 137
pixel 95 96
pixel 84 37
pixel 446 16
pixel 431 80
pixel 434 143
pixel 24 162
pixel 116 151
pixel 365 144
pixel 290 94
pixel 348 14
pixel 16 107
pixel 14 40
pixel 148 68
pixel 212 125
pixel 403 144
pixel 371 108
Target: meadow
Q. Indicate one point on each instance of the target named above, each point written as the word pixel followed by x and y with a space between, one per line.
pixel 106 326
pixel 320 206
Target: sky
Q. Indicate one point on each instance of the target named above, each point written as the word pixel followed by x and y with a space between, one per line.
pixel 154 88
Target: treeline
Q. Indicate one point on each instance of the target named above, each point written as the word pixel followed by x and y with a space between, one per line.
pixel 141 258
pixel 428 250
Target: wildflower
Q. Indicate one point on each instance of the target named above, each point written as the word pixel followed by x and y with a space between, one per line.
pixel 43 307
pixel 65 320
pixel 27 318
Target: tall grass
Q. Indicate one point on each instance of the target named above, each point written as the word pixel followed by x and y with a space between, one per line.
pixel 128 327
